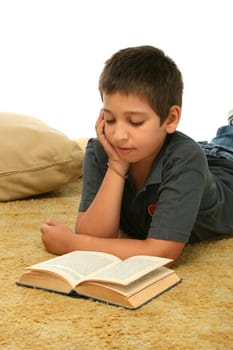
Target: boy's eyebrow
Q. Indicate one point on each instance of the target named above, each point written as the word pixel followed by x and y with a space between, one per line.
pixel 126 112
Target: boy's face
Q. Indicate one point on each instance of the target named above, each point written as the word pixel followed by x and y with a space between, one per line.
pixel 132 127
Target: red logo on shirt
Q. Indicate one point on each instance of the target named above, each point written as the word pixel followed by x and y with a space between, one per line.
pixel 151 209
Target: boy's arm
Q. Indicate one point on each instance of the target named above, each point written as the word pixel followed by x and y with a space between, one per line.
pixel 102 218
pixel 126 247
pixel 59 239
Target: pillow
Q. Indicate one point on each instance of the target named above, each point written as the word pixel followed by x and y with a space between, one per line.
pixel 34 158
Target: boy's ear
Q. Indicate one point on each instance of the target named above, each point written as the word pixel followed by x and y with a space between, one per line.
pixel 173 119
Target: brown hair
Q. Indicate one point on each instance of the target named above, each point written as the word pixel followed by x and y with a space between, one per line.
pixel 147 72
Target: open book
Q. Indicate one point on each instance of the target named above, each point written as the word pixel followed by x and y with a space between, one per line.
pixel 129 283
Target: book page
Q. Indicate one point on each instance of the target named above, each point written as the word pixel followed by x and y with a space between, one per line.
pixel 77 265
pixel 133 288
pixel 130 269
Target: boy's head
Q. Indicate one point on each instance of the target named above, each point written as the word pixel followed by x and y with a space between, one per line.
pixel 147 72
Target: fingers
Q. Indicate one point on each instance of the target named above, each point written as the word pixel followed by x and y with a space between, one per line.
pixel 44 228
pixel 48 223
pixel 100 120
pixel 109 149
pixel 52 222
pixel 99 127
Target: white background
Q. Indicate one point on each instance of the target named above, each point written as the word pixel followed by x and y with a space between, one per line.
pixel 52 52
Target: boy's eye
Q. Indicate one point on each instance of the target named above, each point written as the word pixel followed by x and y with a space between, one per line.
pixel 136 123
pixel 111 121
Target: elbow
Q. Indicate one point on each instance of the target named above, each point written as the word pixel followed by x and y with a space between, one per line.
pixel 165 248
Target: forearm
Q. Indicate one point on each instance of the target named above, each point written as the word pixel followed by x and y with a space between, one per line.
pixel 121 247
pixel 59 239
pixel 124 247
pixel 103 216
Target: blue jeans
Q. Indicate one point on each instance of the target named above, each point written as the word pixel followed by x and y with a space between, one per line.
pixel 222 144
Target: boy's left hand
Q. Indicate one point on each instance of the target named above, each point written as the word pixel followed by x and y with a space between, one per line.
pixel 57 237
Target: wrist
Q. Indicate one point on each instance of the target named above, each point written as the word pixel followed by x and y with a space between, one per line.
pixel 120 173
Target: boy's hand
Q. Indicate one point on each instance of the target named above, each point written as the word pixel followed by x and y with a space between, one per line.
pixel 57 237
pixel 99 127
pixel 113 157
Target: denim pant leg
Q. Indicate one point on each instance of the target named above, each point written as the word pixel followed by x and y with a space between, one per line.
pixel 222 144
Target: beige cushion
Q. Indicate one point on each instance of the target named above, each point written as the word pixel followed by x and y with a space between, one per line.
pixel 34 158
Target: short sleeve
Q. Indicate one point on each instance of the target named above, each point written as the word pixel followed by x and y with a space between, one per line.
pixel 94 168
pixel 180 195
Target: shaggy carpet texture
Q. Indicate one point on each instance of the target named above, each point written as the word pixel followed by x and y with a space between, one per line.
pixel 196 314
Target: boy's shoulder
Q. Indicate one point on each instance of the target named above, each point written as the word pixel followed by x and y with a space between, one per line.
pixel 94 145
pixel 179 148
pixel 179 137
pixel 179 142
pixel 96 150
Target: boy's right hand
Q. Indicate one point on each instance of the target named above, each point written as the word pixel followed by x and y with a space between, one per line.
pixel 113 157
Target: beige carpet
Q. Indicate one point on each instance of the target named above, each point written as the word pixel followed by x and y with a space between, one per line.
pixel 196 314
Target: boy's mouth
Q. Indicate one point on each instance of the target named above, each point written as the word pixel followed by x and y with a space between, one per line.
pixel 123 150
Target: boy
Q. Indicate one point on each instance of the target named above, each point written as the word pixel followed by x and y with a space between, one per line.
pixel 142 176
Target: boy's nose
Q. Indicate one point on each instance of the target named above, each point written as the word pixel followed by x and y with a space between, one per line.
pixel 120 132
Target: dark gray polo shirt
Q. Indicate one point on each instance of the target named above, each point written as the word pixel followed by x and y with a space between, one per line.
pixel 186 197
